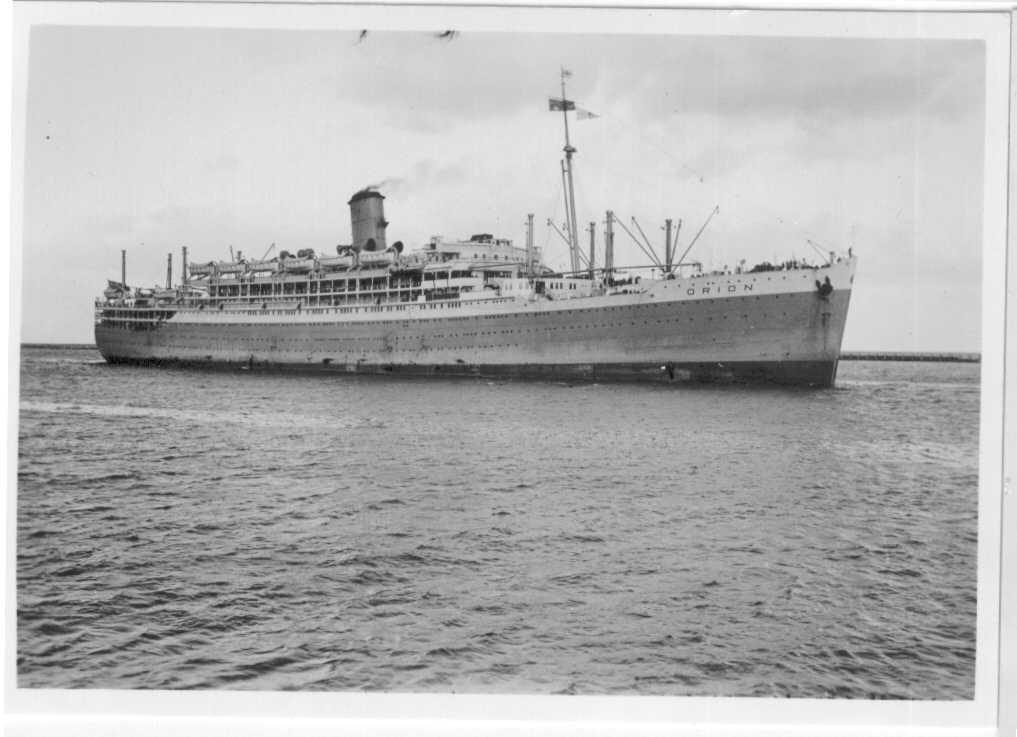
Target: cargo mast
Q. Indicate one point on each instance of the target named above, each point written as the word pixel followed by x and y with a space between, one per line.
pixel 569 188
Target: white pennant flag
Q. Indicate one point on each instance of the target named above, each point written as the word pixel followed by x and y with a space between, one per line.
pixel 585 114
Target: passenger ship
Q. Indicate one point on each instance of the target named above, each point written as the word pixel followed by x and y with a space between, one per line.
pixel 484 306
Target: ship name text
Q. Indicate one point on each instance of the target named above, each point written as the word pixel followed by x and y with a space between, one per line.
pixel 730 288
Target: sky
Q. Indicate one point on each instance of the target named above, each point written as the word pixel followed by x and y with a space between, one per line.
pixel 148 139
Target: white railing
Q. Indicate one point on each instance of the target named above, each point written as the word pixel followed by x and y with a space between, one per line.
pixel 143 314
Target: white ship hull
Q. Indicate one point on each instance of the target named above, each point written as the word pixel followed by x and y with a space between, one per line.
pixel 755 327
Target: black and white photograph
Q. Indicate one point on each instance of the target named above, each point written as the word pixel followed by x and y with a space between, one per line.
pixel 521 356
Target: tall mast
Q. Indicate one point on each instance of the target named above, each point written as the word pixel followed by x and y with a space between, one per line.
pixel 668 254
pixel 569 150
pixel 609 245
pixel 568 215
pixel 529 245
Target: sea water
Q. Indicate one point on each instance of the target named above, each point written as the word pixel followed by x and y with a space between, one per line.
pixel 179 529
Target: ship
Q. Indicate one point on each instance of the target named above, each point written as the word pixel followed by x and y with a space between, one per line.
pixel 483 306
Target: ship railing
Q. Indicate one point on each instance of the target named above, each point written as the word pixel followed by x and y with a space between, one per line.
pixel 147 314
pixel 256 309
pixel 162 306
pixel 656 271
pixel 599 272
pixel 682 269
pixel 381 289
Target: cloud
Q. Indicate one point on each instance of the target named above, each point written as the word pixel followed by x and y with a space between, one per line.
pixel 825 77
pixel 212 137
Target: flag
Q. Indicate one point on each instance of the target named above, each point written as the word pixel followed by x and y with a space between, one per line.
pixel 566 72
pixel 555 103
pixel 585 114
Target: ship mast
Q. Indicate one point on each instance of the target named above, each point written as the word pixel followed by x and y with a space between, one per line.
pixel 570 187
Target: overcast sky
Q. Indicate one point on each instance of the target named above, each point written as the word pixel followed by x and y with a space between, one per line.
pixel 149 139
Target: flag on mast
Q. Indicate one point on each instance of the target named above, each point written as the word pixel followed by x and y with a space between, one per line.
pixel 555 103
pixel 585 114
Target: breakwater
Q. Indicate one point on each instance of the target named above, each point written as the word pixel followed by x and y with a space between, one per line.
pixel 911 356
pixel 61 346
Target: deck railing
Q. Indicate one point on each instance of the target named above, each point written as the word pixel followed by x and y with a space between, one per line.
pixel 154 314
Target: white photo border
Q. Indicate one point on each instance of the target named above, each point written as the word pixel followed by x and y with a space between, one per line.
pixel 44 711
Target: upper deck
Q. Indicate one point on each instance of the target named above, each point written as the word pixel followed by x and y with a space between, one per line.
pixel 358 296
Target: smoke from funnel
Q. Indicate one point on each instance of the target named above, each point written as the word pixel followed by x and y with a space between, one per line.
pixel 387 183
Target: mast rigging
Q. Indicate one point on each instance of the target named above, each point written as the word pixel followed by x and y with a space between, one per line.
pixel 570 213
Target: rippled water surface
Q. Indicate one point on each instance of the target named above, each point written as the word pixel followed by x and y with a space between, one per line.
pixel 179 529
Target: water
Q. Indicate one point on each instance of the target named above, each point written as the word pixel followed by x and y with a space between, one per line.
pixel 188 530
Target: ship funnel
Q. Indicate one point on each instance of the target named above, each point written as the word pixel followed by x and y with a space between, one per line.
pixel 367 214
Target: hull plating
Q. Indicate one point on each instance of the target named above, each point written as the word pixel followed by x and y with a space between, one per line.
pixel 791 338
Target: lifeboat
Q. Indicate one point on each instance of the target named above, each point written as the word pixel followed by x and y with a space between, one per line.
pixel 269 265
pixel 201 269
pixel 331 263
pixel 297 265
pixel 115 290
pixel 230 267
pixel 376 258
